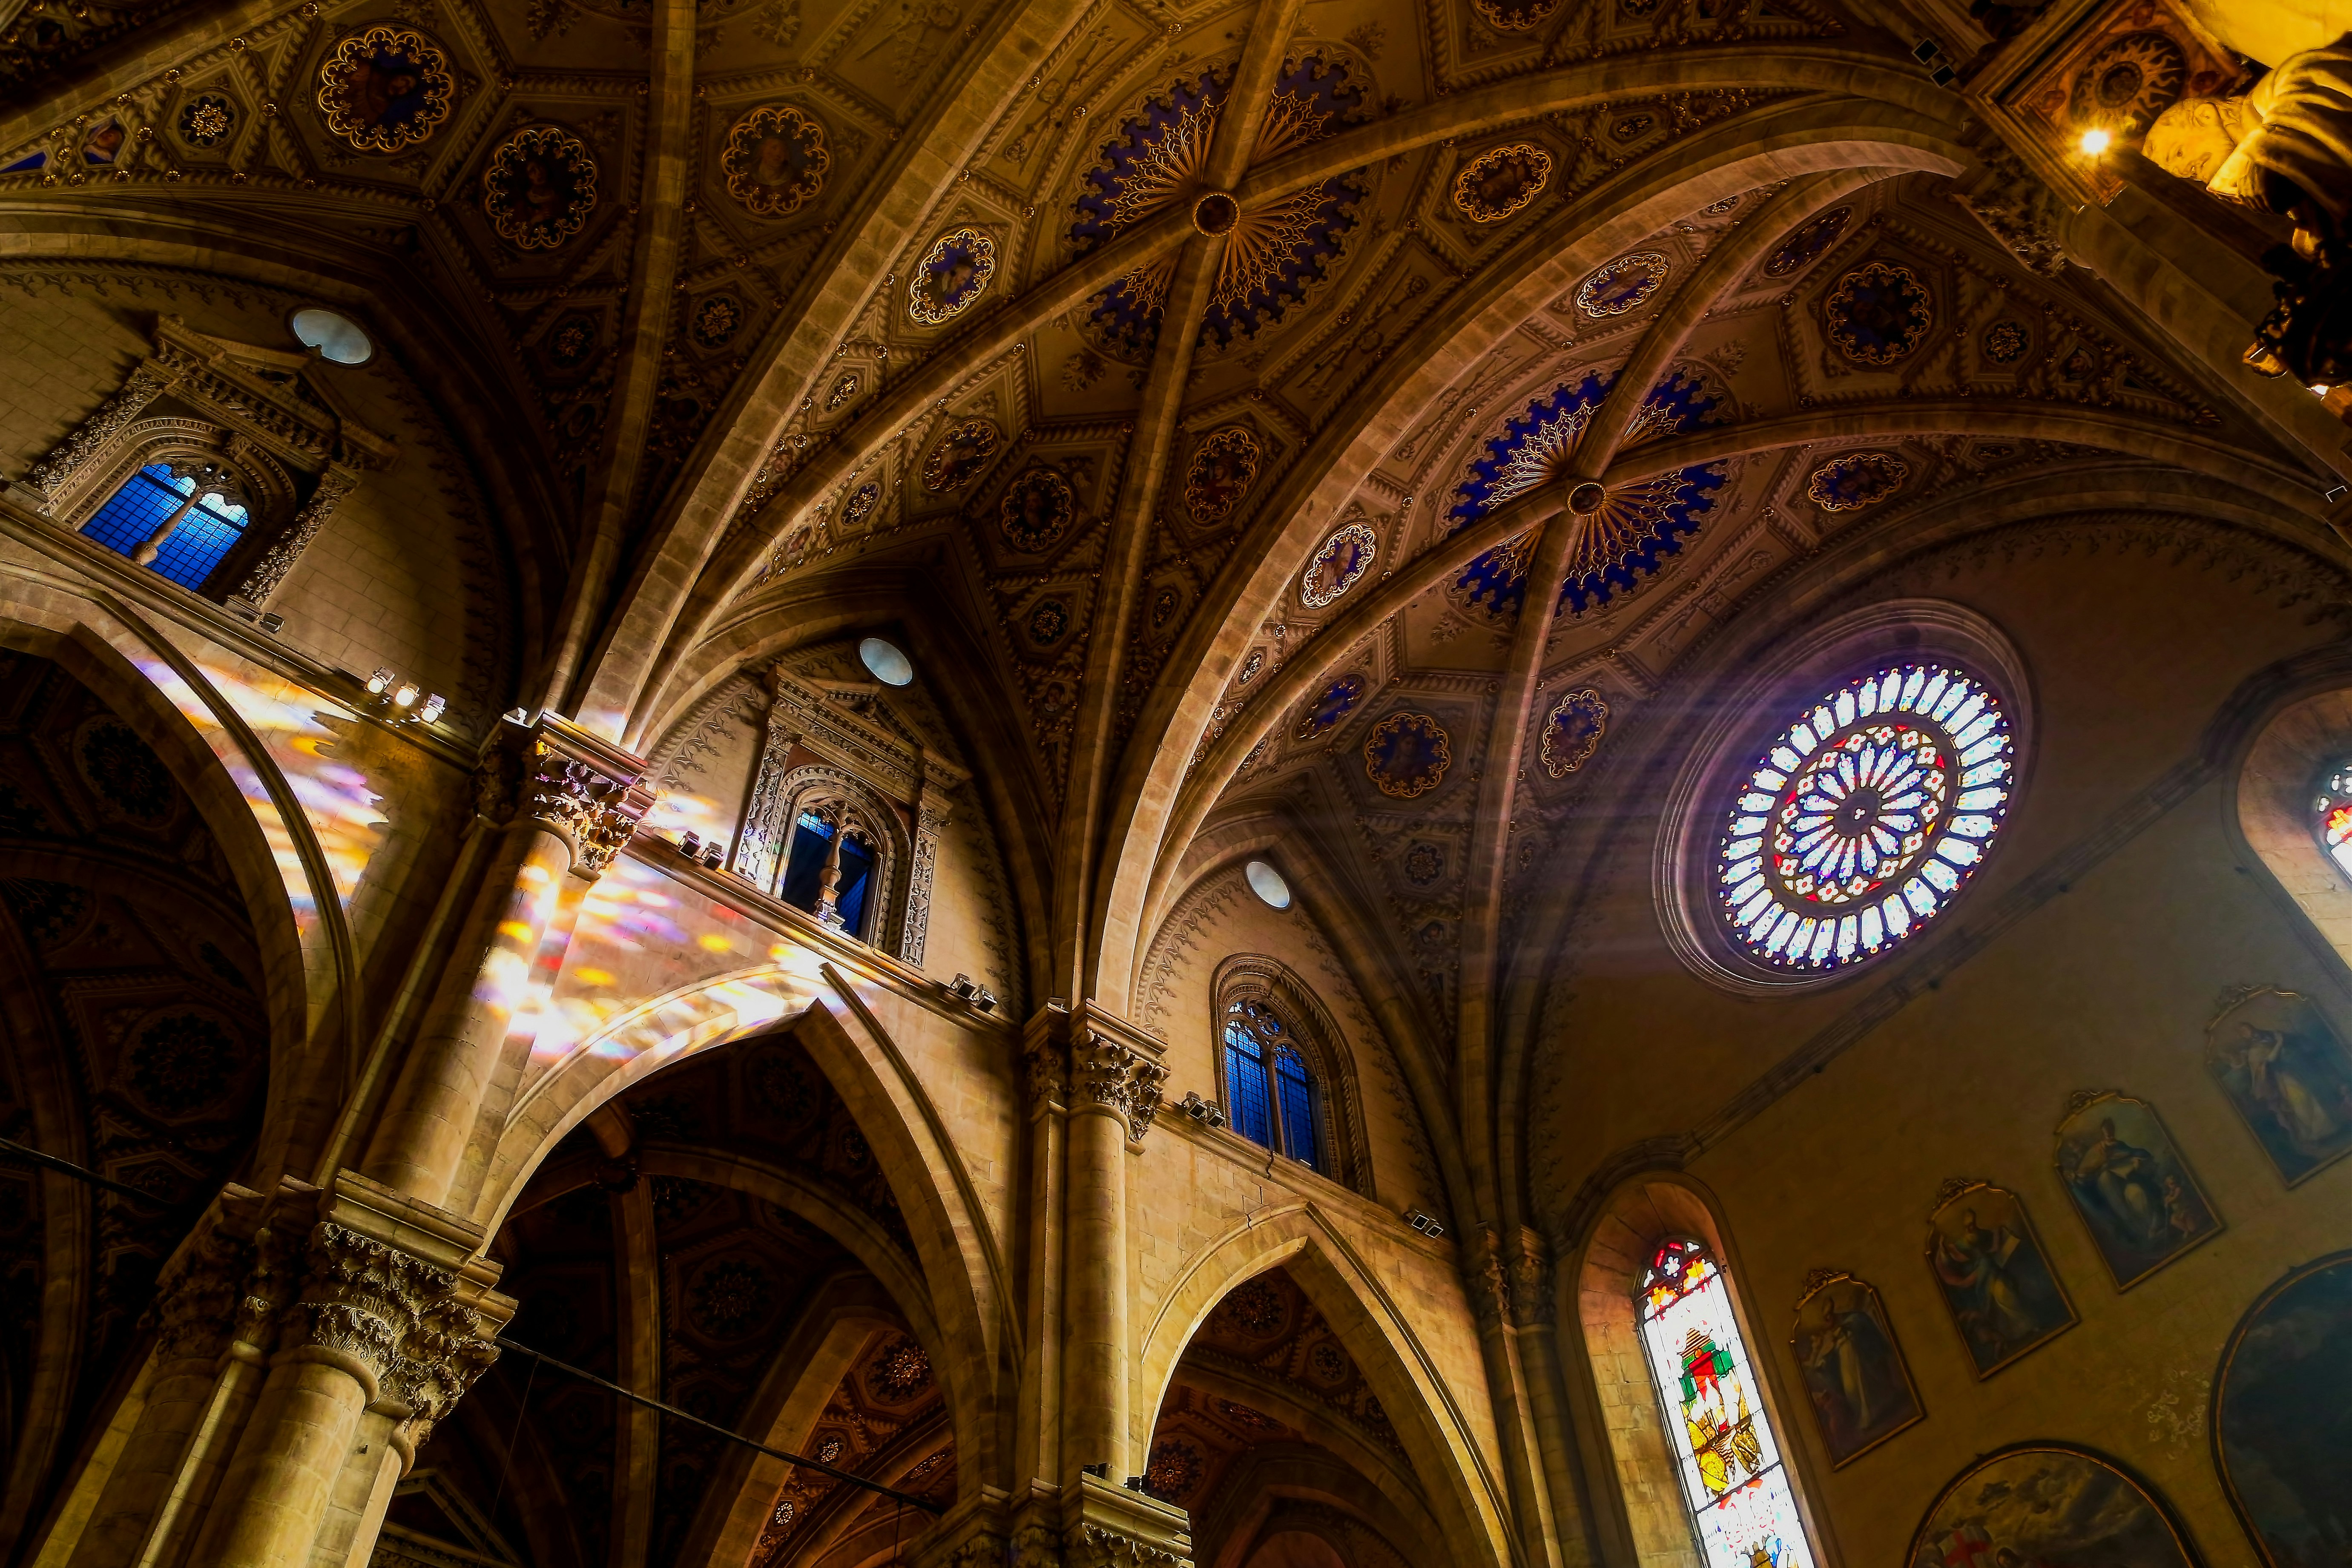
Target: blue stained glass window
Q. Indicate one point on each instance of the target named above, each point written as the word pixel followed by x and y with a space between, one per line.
pixel 803 869
pixel 1298 1118
pixel 1272 1094
pixel 209 524
pixel 1245 1086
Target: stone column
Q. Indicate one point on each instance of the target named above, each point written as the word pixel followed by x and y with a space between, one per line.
pixel 392 1320
pixel 1115 1079
pixel 563 801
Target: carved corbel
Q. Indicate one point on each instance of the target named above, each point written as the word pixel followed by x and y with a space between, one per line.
pixel 567 780
pixel 1490 1283
pixel 1531 1284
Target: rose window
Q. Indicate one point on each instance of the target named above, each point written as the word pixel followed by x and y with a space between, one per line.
pixel 1864 816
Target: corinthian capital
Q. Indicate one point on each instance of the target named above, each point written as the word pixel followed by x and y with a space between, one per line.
pixel 568 780
pixel 1109 1070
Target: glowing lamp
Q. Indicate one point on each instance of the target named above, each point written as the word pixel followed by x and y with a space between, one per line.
pixel 2096 142
pixel 378 681
pixel 406 694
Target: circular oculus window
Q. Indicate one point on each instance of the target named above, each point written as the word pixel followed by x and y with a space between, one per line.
pixel 1863 819
pixel 886 662
pixel 336 336
pixel 1268 884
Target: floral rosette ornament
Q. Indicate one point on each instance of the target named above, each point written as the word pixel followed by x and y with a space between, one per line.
pixel 385 88
pixel 540 188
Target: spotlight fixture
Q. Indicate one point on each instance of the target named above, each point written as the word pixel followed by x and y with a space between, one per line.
pixel 979 997
pixel 397 699
pixel 1424 1224
pixel 1207 1113
pixel 2096 142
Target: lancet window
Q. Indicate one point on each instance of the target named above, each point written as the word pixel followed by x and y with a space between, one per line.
pixel 180 518
pixel 2332 817
pixel 1271 1093
pixel 1734 1482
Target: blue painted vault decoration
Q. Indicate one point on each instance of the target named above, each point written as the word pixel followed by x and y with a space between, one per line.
pixel 1277 256
pixel 1638 525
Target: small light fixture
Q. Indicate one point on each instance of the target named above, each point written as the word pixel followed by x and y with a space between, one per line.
pixel 378 681
pixel 435 706
pixel 406 694
pixel 1268 884
pixel 1207 1113
pixel 399 701
pixel 1424 1224
pixel 2096 142
pixel 886 662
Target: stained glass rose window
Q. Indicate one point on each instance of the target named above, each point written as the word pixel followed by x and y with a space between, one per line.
pixel 1864 816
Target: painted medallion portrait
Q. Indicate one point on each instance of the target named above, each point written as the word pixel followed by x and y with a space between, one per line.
pixel 1223 468
pixel 1996 1280
pixel 1623 285
pixel 1337 565
pixel 1496 184
pixel 2134 1191
pixel 385 88
pixel 1334 704
pixel 2283 1417
pixel 1856 480
pixel 1855 1377
pixel 960 455
pixel 951 275
pixel 1406 755
pixel 776 159
pixel 2285 1070
pixel 1572 730
pixel 1036 510
pixel 2049 1505
pixel 540 188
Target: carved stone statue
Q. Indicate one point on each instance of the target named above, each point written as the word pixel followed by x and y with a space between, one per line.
pixel 2283 146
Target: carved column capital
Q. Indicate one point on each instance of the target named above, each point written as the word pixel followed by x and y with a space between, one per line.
pixel 397 1315
pixel 1109 1070
pixel 1531 1285
pixel 1490 1283
pixel 556 775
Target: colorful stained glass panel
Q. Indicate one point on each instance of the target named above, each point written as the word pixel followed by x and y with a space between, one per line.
pixel 1726 1454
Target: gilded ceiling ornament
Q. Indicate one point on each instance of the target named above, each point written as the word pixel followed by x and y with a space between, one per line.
pixel 385 88
pixel 539 188
pixel 1424 863
pixel 951 275
pixel 1337 701
pixel 1276 256
pixel 1878 313
pixel 207 119
pixel 1624 284
pixel 1515 16
pixel 960 455
pixel 1223 468
pixel 1716 209
pixel 1632 127
pixel 2005 342
pixel 1250 667
pixel 861 503
pixel 1572 731
pixel 1805 247
pixel 1048 620
pixel 1856 480
pixel 843 389
pixel 1406 755
pixel 1637 525
pixel 717 320
pixel 2122 88
pixel 1502 181
pixel 571 341
pixel 776 159
pixel 1036 510
pixel 1338 564
pixel 1164 606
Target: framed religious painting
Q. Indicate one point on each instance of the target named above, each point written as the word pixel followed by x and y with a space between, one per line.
pixel 2281 1439
pixel 1855 1377
pixel 1997 1282
pixel 2037 1505
pixel 2285 1071
pixel 2133 1189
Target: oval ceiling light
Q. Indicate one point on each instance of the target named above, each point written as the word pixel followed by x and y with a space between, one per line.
pixel 336 336
pixel 1268 884
pixel 888 664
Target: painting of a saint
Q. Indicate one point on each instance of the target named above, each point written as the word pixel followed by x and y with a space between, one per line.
pixel 2134 1191
pixel 539 188
pixel 1855 1378
pixel 103 145
pixel 776 159
pixel 2285 1069
pixel 2049 1505
pixel 1990 1265
pixel 951 276
pixel 1222 467
pixel 1498 184
pixel 385 88
pixel 2282 1417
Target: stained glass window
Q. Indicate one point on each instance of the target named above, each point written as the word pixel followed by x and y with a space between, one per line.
pixel 812 851
pixel 191 527
pixel 2332 817
pixel 1733 1480
pixel 1859 823
pixel 1272 1093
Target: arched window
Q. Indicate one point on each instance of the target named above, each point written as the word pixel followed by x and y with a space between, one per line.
pixel 1734 1483
pixel 182 518
pixel 2331 817
pixel 829 869
pixel 1270 1092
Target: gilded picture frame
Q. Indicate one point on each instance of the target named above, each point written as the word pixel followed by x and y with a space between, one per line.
pixel 1844 1344
pixel 2287 1360
pixel 2282 1065
pixel 2130 1184
pixel 2004 1297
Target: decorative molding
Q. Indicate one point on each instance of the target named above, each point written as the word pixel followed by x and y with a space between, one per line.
pixel 278 560
pixel 95 434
